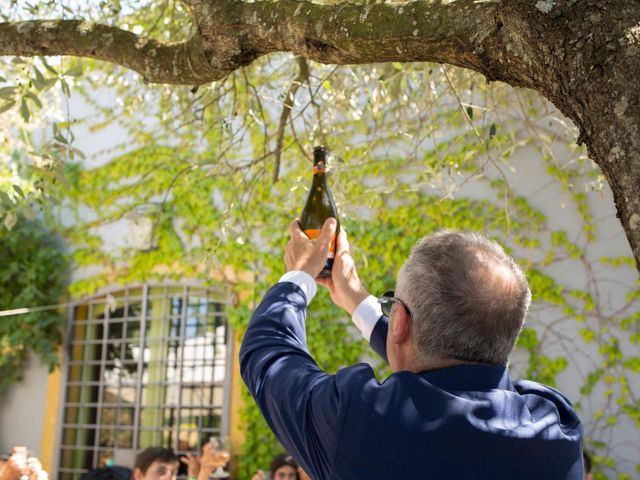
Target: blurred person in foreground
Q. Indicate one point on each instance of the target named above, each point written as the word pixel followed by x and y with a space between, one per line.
pixel 20 465
pixel 450 410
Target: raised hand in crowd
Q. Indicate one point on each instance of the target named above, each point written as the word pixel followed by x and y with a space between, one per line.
pixel 20 465
pixel 192 461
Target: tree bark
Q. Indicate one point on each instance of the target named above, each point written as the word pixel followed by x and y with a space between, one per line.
pixel 584 56
pixel 178 63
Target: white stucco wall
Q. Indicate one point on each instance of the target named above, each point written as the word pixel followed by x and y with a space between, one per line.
pixel 22 409
pixel 607 284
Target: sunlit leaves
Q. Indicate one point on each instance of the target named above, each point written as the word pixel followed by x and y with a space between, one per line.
pixel 31 96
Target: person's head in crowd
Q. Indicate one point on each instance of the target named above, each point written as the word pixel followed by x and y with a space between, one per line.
pixel 156 463
pixel 463 300
pixel 586 458
pixel 284 467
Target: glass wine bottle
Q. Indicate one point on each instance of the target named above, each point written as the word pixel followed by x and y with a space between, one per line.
pixel 320 206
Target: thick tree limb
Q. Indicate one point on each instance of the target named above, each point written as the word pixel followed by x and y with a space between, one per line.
pixel 425 30
pixel 178 63
pixel 234 33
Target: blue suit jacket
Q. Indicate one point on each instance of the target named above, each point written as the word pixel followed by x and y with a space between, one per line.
pixel 465 422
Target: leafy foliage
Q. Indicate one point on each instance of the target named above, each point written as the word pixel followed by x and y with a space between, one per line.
pixel 34 273
pixel 30 167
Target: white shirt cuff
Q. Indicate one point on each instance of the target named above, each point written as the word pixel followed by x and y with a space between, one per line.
pixel 303 280
pixel 366 315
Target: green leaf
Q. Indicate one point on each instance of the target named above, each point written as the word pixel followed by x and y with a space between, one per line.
pixel 34 98
pixel 37 84
pixel 28 212
pixel 633 364
pixel 74 72
pixel 38 81
pixel 49 67
pixel 5 200
pixel 24 110
pixel 60 139
pixel 10 220
pixel 50 82
pixel 7 106
pixel 588 335
pixel 7 92
pixel 19 190
pixel 79 153
pixel 65 88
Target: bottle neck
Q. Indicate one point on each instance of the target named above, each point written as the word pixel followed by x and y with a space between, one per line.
pixel 319 168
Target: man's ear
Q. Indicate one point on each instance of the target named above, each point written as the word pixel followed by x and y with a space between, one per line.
pixel 137 474
pixel 400 324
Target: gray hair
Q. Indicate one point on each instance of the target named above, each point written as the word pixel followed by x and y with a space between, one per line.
pixel 468 298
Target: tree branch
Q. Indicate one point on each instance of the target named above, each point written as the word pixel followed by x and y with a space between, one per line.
pixel 233 33
pixel 346 33
pixel 303 77
pixel 178 63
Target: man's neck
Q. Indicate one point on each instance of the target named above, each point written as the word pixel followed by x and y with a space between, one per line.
pixel 435 364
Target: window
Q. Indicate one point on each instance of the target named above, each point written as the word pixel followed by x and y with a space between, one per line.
pixel 147 366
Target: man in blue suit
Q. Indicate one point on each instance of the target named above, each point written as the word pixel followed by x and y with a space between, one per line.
pixel 450 410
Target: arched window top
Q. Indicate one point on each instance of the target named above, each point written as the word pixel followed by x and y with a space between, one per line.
pixel 195 287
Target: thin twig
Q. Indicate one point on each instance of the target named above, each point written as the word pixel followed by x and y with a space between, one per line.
pixel 303 76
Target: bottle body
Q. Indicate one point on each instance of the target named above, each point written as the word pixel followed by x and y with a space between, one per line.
pixel 319 206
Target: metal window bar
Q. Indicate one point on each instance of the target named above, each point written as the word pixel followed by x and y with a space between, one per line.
pixel 226 402
pixel 85 412
pixel 123 355
pixel 205 332
pixel 62 397
pixel 180 362
pixel 143 331
pixel 101 370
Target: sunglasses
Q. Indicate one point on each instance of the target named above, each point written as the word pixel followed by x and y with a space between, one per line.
pixel 387 300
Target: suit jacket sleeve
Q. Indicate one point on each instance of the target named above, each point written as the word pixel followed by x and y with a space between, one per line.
pixel 300 402
pixel 378 340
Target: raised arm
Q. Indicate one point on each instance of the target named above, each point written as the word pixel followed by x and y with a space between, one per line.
pixel 300 402
pixel 297 399
pixel 347 292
